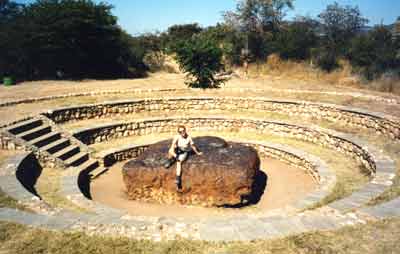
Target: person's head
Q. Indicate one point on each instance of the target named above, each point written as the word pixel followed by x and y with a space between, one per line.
pixel 182 130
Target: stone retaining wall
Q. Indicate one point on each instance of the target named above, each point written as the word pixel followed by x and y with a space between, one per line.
pixel 378 122
pixel 169 125
pixel 394 100
pixel 8 142
pixel 110 157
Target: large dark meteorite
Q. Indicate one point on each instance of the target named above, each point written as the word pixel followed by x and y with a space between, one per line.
pixel 223 175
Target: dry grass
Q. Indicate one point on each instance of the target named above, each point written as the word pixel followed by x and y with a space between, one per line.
pixel 373 238
pixel 386 84
pixel 303 71
pixel 6 201
pixel 48 187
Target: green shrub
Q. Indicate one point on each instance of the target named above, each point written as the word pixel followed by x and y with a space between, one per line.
pixel 201 59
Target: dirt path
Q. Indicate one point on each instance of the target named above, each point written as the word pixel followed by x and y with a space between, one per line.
pixel 285 185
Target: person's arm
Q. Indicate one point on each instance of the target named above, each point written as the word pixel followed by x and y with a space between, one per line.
pixel 171 150
pixel 194 148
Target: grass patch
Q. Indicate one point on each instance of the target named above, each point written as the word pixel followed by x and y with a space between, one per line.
pixel 48 187
pixel 392 149
pixel 374 238
pixel 5 200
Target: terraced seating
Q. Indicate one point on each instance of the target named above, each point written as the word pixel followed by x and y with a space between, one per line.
pixel 43 137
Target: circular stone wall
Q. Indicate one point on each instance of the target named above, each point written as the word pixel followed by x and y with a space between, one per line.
pixel 225 174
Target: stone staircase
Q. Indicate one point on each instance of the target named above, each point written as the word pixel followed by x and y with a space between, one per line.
pixel 41 136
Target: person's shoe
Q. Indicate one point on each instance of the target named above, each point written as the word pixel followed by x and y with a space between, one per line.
pixel 178 182
pixel 168 163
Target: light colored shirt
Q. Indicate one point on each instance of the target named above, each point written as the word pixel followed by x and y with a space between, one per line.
pixel 183 144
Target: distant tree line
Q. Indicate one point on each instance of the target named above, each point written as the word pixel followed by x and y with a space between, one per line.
pixel 75 39
pixel 257 29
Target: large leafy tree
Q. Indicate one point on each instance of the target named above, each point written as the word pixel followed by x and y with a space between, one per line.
pixel 69 39
pixel 10 37
pixel 297 39
pixel 260 21
pixel 341 24
pixel 259 15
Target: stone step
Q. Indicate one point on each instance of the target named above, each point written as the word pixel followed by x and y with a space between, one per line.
pixel 67 152
pixel 88 165
pixel 77 159
pixel 45 139
pixel 35 132
pixel 24 126
pixel 56 146
pixel 98 172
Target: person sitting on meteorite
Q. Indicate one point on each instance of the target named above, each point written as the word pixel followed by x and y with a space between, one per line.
pixel 182 145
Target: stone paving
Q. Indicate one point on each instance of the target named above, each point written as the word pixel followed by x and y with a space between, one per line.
pixel 101 219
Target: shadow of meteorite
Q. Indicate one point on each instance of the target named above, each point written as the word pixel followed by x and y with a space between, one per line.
pixel 257 191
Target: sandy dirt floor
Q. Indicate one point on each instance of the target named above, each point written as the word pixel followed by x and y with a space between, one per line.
pixel 285 185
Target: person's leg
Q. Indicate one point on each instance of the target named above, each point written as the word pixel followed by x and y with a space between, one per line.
pixel 178 168
pixel 178 180
pixel 181 157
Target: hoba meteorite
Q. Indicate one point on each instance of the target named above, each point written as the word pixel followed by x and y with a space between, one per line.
pixel 223 176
